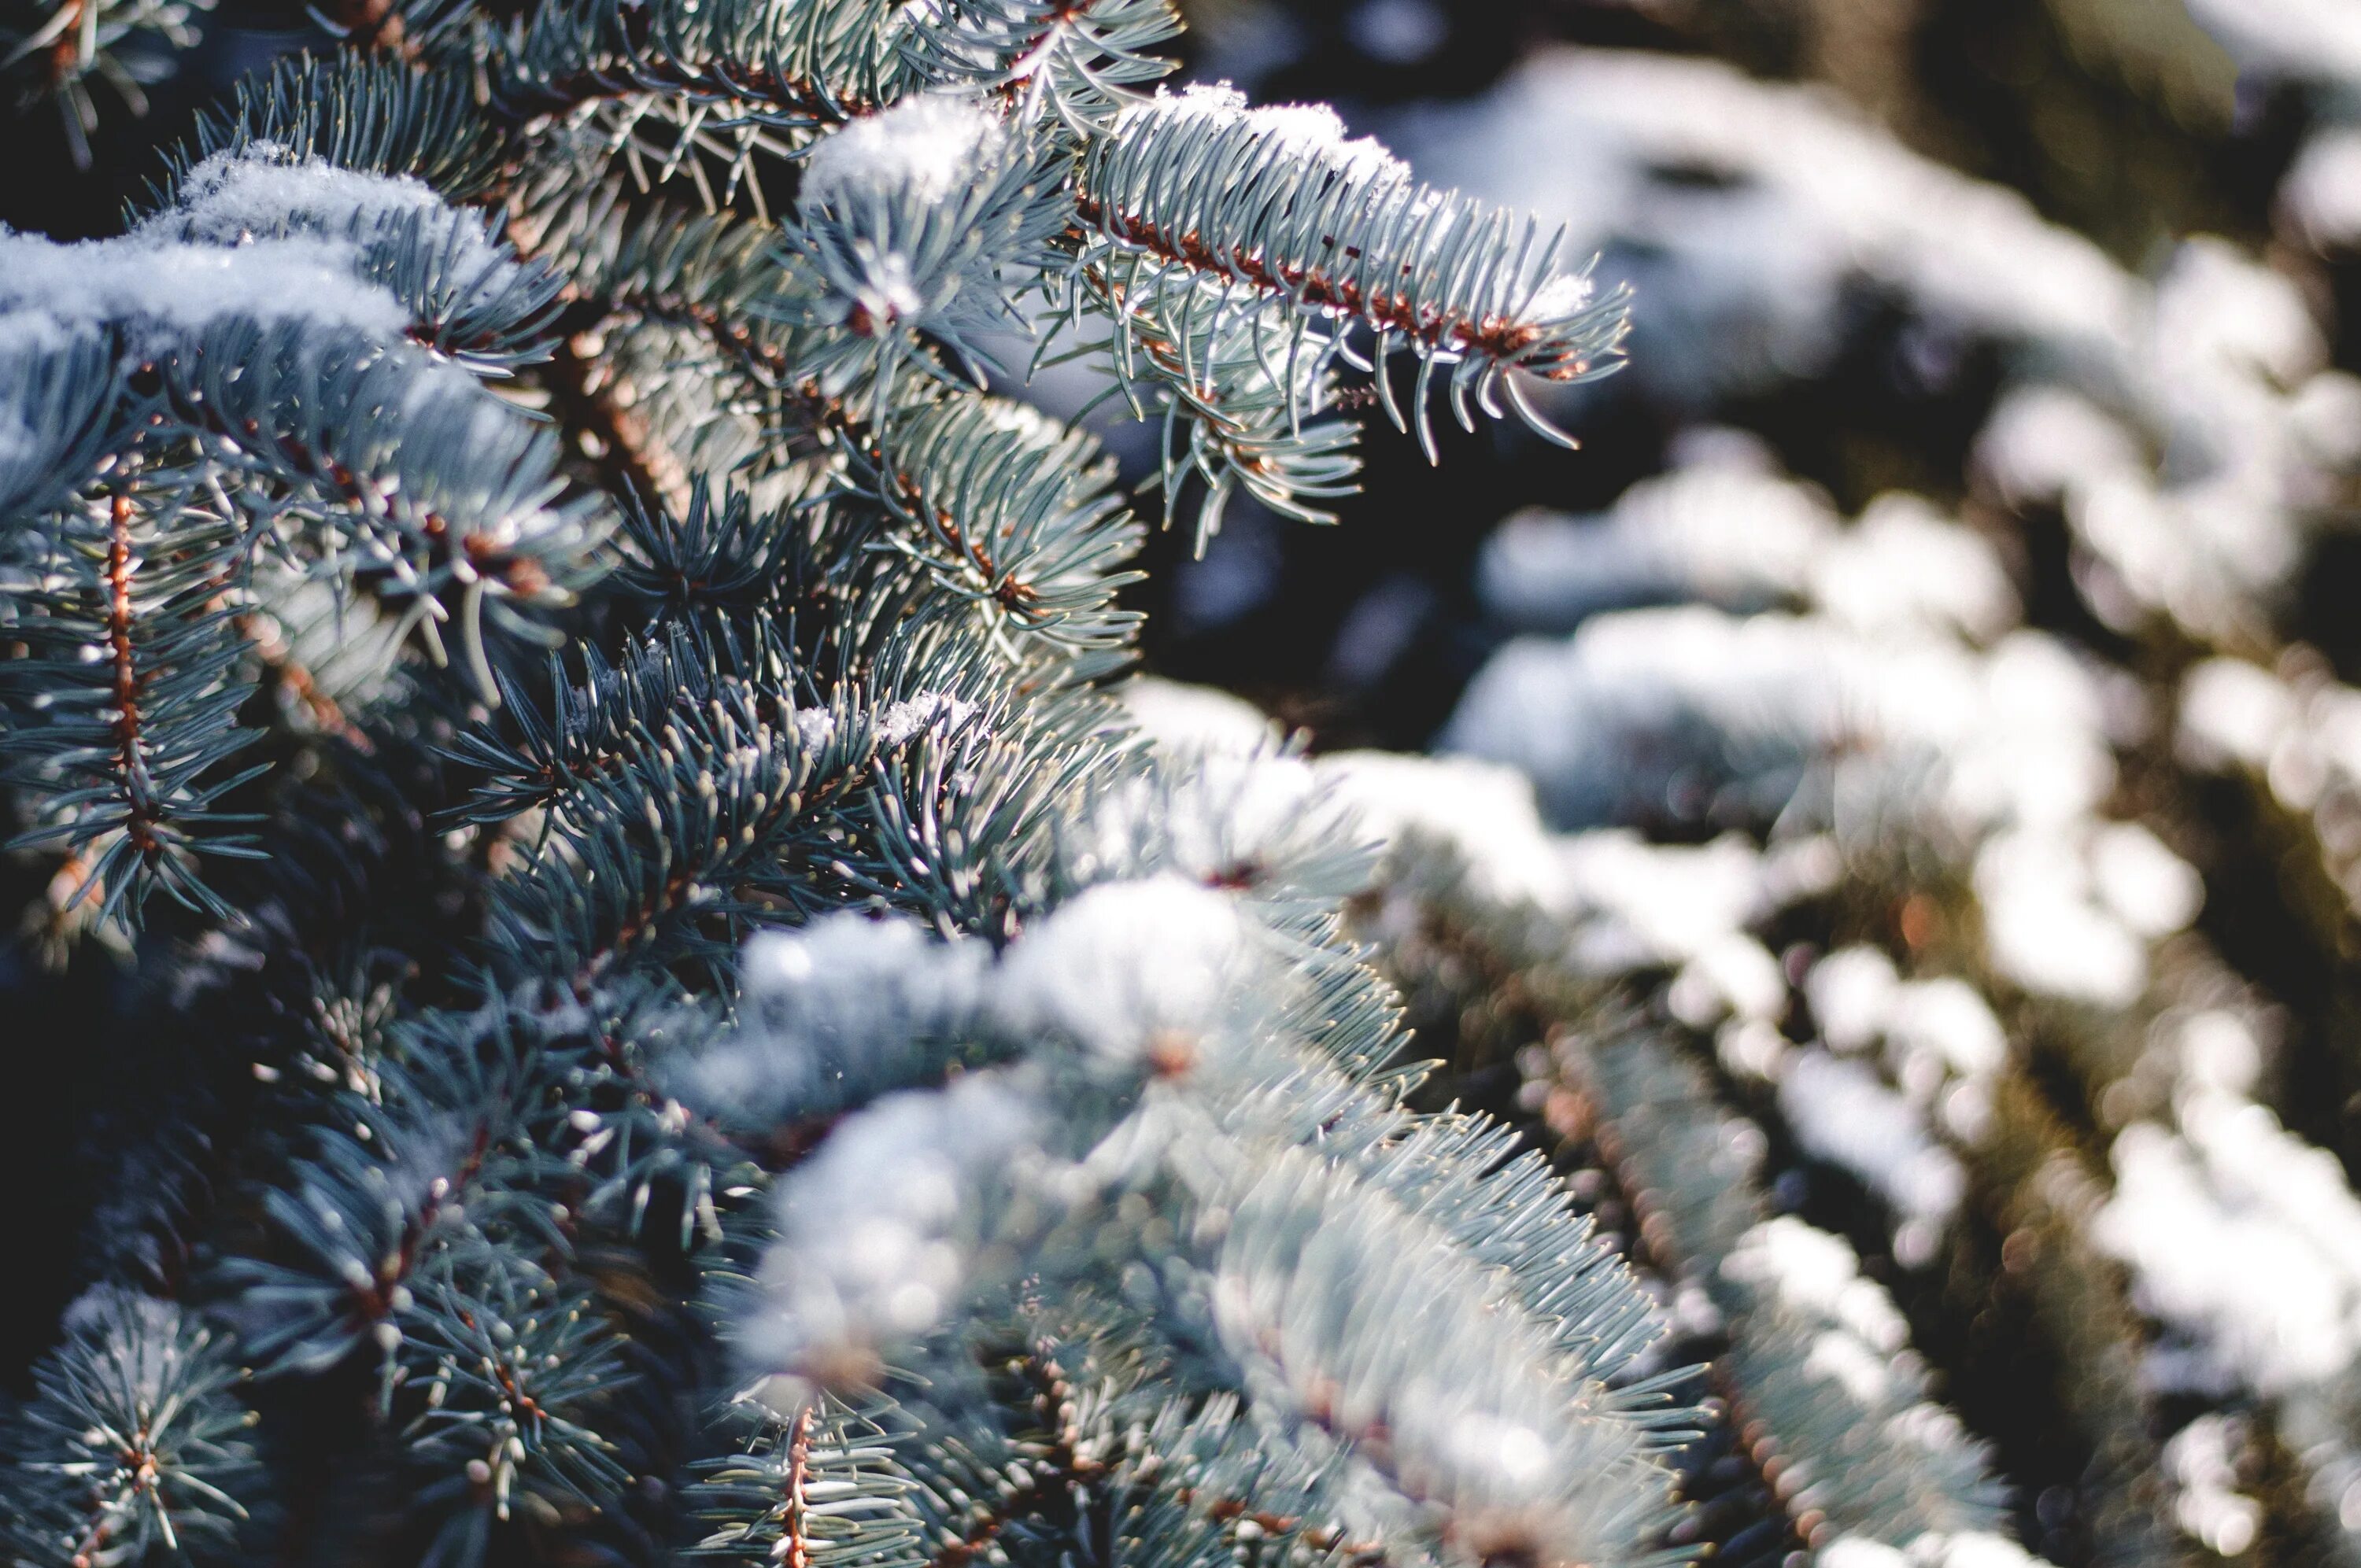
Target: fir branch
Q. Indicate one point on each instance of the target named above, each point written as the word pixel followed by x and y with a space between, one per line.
pixel 1054 1469
pixel 1275 200
pixel 1078 58
pixel 70 47
pixel 823 1488
pixel 1244 381
pixel 132 750
pixel 133 1441
pixel 815 66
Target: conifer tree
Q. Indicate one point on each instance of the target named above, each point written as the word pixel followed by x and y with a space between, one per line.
pixel 677 1014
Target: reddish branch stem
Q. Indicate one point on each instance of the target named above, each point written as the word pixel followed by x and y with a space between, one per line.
pixel 1495 335
pixel 140 822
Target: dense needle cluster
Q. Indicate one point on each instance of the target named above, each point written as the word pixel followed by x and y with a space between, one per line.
pixel 697 1021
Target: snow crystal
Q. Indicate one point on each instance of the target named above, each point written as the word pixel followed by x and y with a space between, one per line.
pixel 815 728
pixel 922 148
pixel 900 723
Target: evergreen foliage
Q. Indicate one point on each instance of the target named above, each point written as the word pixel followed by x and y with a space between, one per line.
pixel 717 1033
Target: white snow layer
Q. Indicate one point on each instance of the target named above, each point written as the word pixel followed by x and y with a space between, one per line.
pixel 1723 529
pixel 254 235
pixel 1749 214
pixel 1746 212
pixel 2244 1239
pixel 924 146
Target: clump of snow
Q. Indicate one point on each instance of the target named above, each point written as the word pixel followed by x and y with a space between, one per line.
pixel 1746 213
pixel 2042 442
pixel 2045 929
pixel 1859 1552
pixel 1195 719
pixel 1752 216
pixel 1125 969
pixel 899 723
pixel 1293 130
pixel 1718 533
pixel 2322 192
pixel 2201 1463
pixel 824 1004
pixel 1842 1113
pixel 1682 712
pixel 2234 714
pixel 1634 906
pixel 2244 1240
pixel 2187 493
pixel 254 233
pixel 2217 1050
pixel 2151 890
pixel 262 192
pixel 1807 1271
pixel 2300 40
pixel 1934 1549
pixel 1256 822
pixel 1938 1038
pixel 1483 812
pixel 51 293
pixel 1904 567
pixel 1968 1549
pixel 922 148
pixel 1689 714
pixel 877 1230
pixel 1852 993
pixel 2298 735
pixel 1821 1349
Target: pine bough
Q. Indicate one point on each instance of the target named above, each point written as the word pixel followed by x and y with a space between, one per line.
pixel 761 1056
